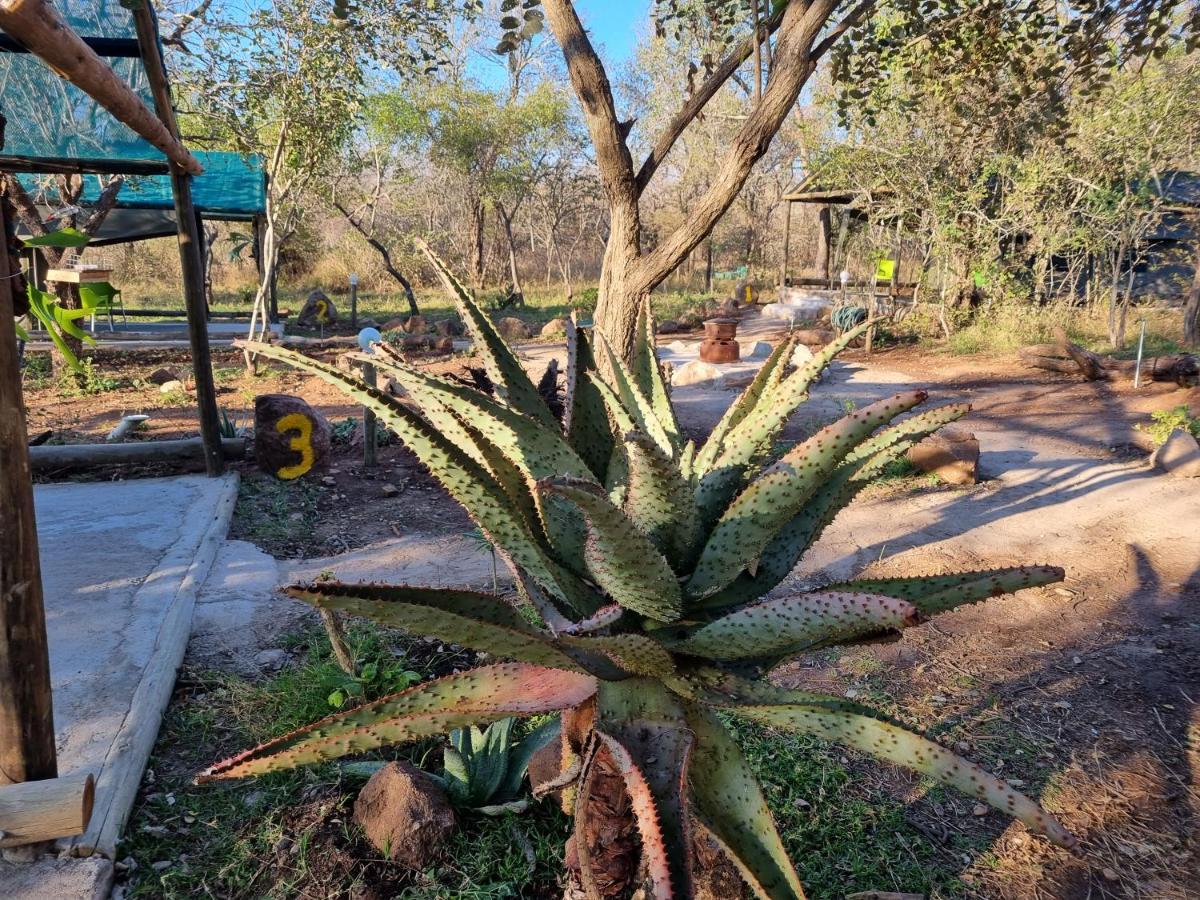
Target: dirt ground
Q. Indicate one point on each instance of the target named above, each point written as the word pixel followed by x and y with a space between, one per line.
pixel 1083 694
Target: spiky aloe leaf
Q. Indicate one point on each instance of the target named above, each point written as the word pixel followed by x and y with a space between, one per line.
pixel 744 405
pixel 632 401
pixel 792 624
pixel 479 621
pixel 727 800
pixel 478 696
pixel 903 748
pixel 620 559
pixel 645 730
pixel 586 421
pixel 761 511
pixel 648 376
pixel 634 653
pixel 701 683
pixel 759 428
pixel 659 501
pixel 938 593
pixel 511 380
pixel 477 492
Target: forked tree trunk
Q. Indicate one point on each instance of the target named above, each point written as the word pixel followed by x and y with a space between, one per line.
pixel 506 223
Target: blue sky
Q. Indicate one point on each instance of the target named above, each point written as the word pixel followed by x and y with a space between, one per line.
pixel 615 25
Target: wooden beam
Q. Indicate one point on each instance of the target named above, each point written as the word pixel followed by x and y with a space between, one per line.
pixel 36 811
pixel 38 26
pixel 26 712
pixel 113 48
pixel 191 243
pixel 75 456
pixel 43 165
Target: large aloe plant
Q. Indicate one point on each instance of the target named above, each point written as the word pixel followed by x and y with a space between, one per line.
pixel 649 563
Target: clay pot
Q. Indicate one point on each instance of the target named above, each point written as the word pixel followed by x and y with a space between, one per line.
pixel 720 329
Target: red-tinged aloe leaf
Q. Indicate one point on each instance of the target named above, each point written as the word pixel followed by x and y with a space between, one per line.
pixel 938 593
pixel 619 558
pixel 726 798
pixel 634 653
pixel 792 624
pixel 503 368
pixel 645 730
pixel 479 621
pixel 469 698
pixel 901 747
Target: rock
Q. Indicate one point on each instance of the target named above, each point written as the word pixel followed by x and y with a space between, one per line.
pixel 415 325
pixel 448 327
pixel 1179 455
pixel 952 454
pixel 164 375
pixel 555 327
pixel 679 346
pixel 442 345
pixel 668 326
pixel 392 325
pixel 698 372
pixel 54 878
pixel 814 337
pixel 405 815
pixel 170 387
pixel 746 292
pixel 513 329
pixel 291 439
pixel 271 659
pixel 317 310
pixel 756 350
pixel 690 321
pixel 389 490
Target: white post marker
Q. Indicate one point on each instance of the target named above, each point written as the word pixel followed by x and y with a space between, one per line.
pixel 1137 371
pixel 366 338
pixel 353 300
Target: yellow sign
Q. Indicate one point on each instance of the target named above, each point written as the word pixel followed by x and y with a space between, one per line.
pixel 301 442
pixel 885 269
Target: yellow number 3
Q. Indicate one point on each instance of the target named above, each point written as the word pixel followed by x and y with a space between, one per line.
pixel 301 443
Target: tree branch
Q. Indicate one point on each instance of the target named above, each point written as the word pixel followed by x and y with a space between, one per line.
pixel 590 82
pixel 384 253
pixel 103 206
pixel 793 65
pixel 691 108
pixel 851 19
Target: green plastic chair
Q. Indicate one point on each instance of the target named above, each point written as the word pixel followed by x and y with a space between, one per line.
pixel 101 296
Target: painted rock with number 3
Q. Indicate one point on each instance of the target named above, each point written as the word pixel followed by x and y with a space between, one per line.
pixel 291 439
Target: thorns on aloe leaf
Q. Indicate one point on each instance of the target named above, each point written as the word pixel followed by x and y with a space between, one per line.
pixel 648 563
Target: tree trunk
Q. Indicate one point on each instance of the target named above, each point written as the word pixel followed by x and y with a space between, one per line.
pixel 385 254
pixel 477 256
pixel 514 273
pixel 1117 308
pixel 1191 311
pixel 824 233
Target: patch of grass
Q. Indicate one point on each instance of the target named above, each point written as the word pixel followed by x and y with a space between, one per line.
pixel 277 835
pixel 88 381
pixel 266 505
pixel 842 836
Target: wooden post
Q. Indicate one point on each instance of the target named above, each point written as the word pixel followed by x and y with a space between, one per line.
pixel 190 242
pixel 26 712
pixel 787 239
pixel 369 424
pixel 353 301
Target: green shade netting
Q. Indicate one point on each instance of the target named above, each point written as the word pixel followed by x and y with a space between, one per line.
pixel 49 118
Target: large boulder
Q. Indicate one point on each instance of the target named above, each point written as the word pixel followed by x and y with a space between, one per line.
pixel 291 439
pixel 162 375
pixel 699 373
pixel 1179 455
pixel 448 327
pixel 513 329
pixel 951 454
pixel 317 310
pixel 405 814
pixel 415 325
pixel 555 328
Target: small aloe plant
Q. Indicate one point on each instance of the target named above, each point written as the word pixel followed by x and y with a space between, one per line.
pixel 483 769
pixel 651 564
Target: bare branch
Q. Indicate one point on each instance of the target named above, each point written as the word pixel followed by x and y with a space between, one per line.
pixel 176 37
pixel 851 19
pixel 696 102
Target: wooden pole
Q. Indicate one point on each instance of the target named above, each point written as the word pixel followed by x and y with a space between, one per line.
pixel 26 712
pixel 190 242
pixel 369 423
pixel 353 301
pixel 37 811
pixel 787 240
pixel 37 25
pixel 48 457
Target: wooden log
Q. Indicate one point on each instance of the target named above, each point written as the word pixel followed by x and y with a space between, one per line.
pixel 35 811
pixel 39 27
pixel 1090 365
pixel 73 456
pixel 27 751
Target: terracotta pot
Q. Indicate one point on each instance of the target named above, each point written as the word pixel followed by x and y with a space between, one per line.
pixel 720 329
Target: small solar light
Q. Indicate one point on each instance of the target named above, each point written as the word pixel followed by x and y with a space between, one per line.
pixel 367 337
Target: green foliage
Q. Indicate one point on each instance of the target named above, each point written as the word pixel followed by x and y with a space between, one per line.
pixel 483 769
pixel 655 628
pixel 1164 421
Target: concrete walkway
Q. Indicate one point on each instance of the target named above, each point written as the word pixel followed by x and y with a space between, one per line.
pixel 121 564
